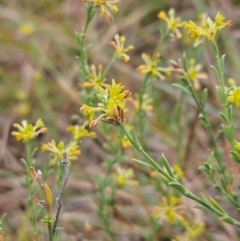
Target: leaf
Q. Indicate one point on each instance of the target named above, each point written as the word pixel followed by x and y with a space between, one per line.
pixel 204 97
pixel 216 205
pixel 167 166
pixel 143 163
pixel 222 61
pixel 178 187
pixel 205 209
pixel 184 62
pixel 182 88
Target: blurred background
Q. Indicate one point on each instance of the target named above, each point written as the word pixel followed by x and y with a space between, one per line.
pixel 38 79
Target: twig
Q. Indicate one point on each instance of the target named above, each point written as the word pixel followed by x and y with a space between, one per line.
pixel 59 198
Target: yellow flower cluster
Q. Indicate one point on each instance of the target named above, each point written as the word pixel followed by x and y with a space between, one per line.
pixel 208 29
pixel 173 23
pixel 79 132
pixel 169 209
pixel 95 78
pixel 111 105
pixel 193 72
pixel 106 7
pixel 27 132
pixel 152 67
pixel 124 176
pixel 233 93
pixel 56 151
pixel 118 44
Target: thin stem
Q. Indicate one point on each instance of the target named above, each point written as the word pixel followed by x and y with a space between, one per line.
pixel 142 91
pixel 173 181
pixel 83 54
pixel 59 198
pixel 50 231
pixel 161 42
pixel 113 60
pixel 140 149
pixel 30 188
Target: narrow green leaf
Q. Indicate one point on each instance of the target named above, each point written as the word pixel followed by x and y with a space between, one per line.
pixel 229 113
pixel 79 38
pixel 167 166
pixel 204 198
pixel 182 88
pixel 216 205
pixel 185 81
pixel 134 136
pixel 184 62
pixel 143 163
pixel 215 70
pixel 205 209
pixel 224 117
pixel 218 188
pixel 204 97
pixel 228 219
pixel 222 59
pixel 178 187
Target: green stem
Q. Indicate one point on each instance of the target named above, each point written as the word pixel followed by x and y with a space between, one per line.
pixel 113 60
pixel 142 91
pixel 50 232
pixel 173 181
pixel 83 55
pixel 161 42
pixel 30 188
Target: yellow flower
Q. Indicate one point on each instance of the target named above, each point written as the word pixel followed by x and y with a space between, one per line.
pixel 208 28
pixel 146 103
pixel 118 44
pixel 169 209
pixel 80 131
pixel 106 6
pixel 95 78
pixel 28 132
pixel 111 105
pixel 151 67
pixel 173 23
pixel 124 142
pixel 26 28
pixel 124 176
pixel 178 172
pixel 234 93
pixel 57 151
pixel 193 73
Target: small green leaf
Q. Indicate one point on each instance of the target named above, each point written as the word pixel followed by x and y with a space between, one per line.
pixel 224 117
pixel 134 136
pixel 184 62
pixel 178 187
pixel 143 163
pixel 167 166
pixel 205 209
pixel 222 62
pixel 216 205
pixel 204 198
pixel 215 71
pixel 217 187
pixel 204 97
pixel 228 219
pixel 78 37
pixel 182 88
pixel 229 113
pixel 185 81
